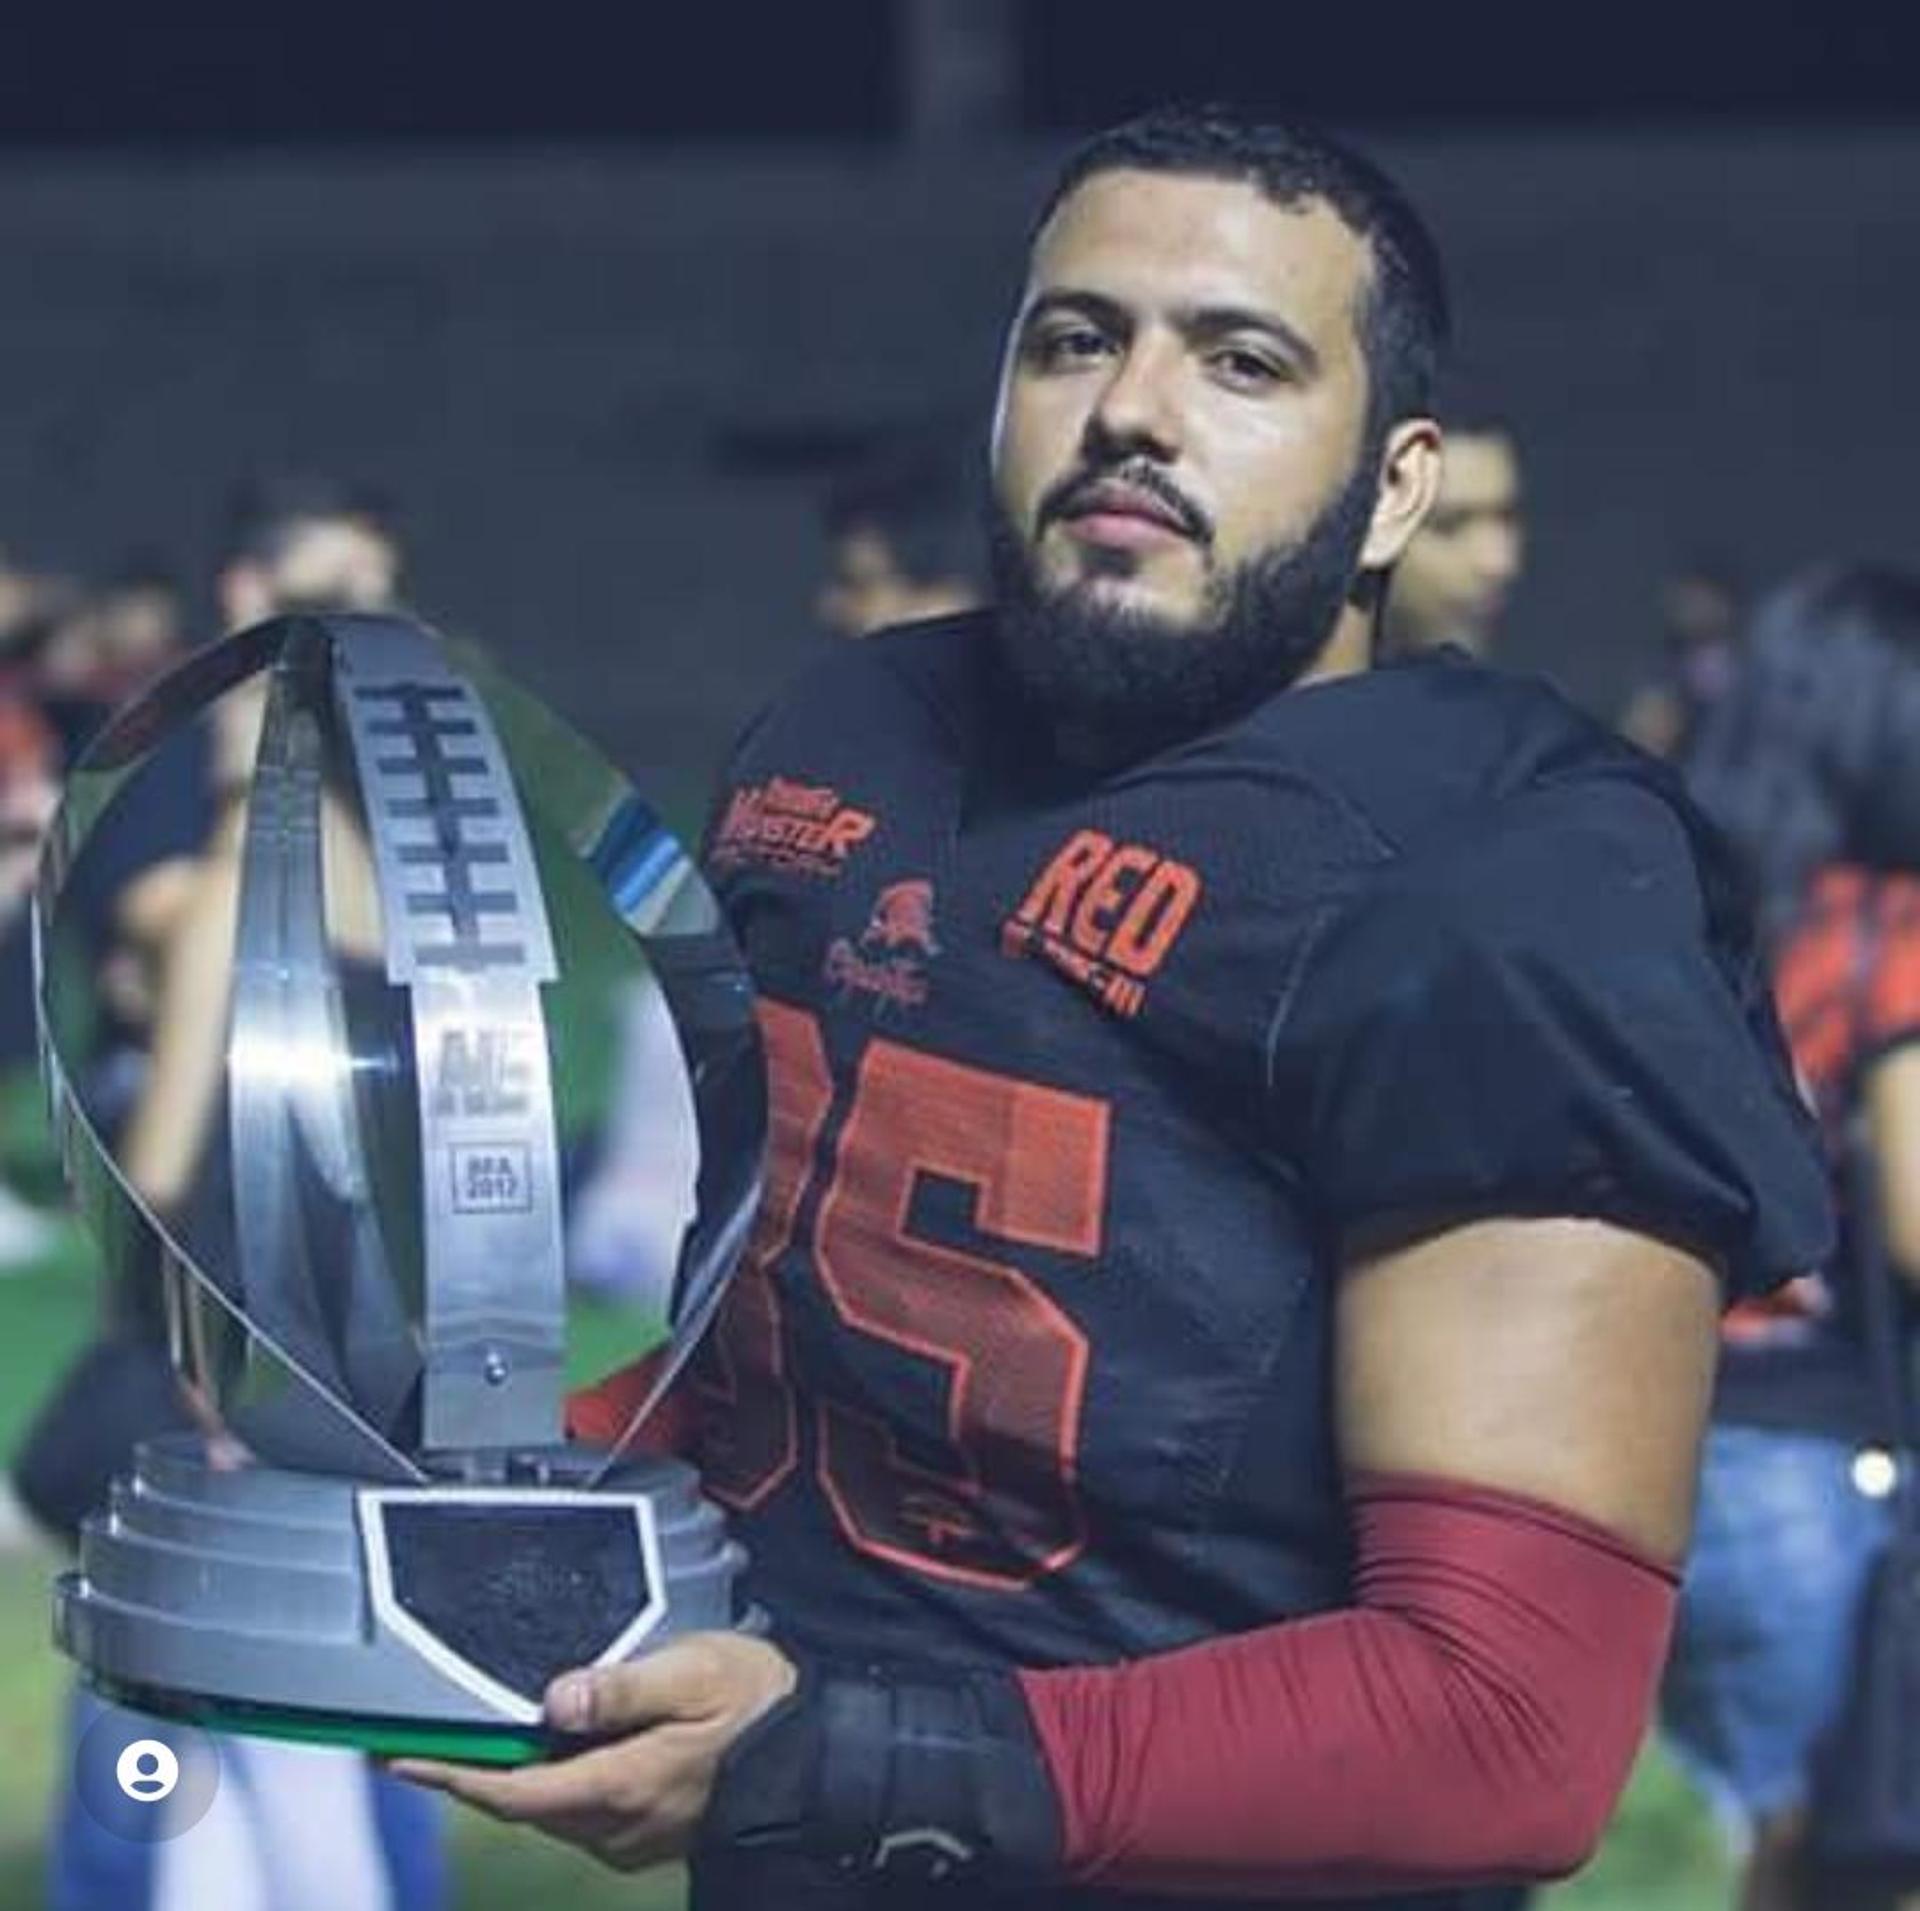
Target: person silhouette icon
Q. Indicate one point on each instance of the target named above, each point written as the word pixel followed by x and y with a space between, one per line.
pixel 147 1771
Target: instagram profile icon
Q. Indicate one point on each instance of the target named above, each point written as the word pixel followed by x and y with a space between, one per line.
pixel 144 1779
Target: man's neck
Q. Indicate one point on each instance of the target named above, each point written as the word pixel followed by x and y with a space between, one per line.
pixel 1350 650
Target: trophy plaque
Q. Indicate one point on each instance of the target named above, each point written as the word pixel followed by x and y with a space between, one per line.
pixel 463 974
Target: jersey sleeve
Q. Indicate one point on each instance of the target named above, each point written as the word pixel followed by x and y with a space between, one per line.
pixel 1544 1016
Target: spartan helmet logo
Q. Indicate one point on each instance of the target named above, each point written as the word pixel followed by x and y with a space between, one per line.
pixel 902 921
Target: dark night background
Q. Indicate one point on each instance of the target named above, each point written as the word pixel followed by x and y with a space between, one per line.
pixel 587 299
pixel 351 71
pixel 594 296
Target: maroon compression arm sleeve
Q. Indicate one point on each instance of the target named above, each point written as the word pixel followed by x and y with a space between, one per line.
pixel 1471 1718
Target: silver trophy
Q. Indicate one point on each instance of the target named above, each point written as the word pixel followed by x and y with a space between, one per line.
pixel 464 967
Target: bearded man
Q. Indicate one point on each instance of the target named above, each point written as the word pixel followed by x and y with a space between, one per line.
pixel 1214 1396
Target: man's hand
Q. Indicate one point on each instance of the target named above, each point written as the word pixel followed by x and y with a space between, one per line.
pixel 668 1719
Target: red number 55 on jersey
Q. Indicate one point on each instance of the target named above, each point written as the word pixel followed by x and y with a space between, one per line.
pixel 1000 1509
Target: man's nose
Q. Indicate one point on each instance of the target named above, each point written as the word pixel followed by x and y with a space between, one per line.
pixel 1139 407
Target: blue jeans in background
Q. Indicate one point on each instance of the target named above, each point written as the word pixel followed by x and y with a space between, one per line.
pixel 1782 1550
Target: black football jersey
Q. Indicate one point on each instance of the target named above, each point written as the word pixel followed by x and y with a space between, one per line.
pixel 1080 1082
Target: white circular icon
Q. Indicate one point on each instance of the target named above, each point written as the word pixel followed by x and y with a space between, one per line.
pixel 145 1789
pixel 147 1771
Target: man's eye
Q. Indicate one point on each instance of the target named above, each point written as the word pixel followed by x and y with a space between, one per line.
pixel 1072 345
pixel 1248 370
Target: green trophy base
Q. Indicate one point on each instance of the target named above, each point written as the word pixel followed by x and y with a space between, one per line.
pixel 378 1738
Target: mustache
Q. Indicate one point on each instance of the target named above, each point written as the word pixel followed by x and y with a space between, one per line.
pixel 1074 491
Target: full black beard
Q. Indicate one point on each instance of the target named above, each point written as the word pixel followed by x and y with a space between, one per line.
pixel 1117 683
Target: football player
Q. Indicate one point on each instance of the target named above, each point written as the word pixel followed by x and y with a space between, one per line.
pixel 1214 1395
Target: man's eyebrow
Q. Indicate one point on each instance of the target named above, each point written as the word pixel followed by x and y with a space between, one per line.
pixel 1094 305
pixel 1217 321
pixel 1198 321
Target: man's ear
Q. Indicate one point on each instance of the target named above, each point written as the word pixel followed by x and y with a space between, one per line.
pixel 1409 482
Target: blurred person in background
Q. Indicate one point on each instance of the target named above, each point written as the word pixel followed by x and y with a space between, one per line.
pixel 32 757
pixel 1811 763
pixel 108 643
pixel 904 542
pixel 143 621
pixel 29 793
pixel 16 597
pixel 1452 585
pixel 1700 656
pixel 291 541
pixel 28 602
pixel 33 754
pixel 300 542
pixel 294 1828
pixel 102 648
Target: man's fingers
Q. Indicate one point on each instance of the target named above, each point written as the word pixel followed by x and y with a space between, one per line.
pixel 634 1798
pixel 684 1680
pixel 567 1788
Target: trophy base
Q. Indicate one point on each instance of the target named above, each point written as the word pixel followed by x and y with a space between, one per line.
pixel 379 1738
pixel 404 1621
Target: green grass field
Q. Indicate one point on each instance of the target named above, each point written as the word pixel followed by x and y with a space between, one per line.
pixel 1662 1855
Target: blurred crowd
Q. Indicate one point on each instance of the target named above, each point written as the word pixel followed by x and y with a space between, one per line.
pixel 71 652
pixel 158 899
pixel 1796 720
